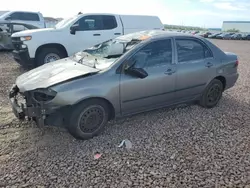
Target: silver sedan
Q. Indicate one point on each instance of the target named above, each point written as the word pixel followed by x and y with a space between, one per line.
pixel 123 76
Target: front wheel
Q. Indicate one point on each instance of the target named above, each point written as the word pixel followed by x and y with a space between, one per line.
pixel 88 119
pixel 212 94
pixel 48 55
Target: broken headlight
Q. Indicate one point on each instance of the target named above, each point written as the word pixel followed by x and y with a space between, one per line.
pixel 44 95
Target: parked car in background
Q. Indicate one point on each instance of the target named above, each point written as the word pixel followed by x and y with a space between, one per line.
pixel 31 18
pixel 237 36
pixel 225 36
pixel 214 35
pixel 195 32
pixel 7 28
pixel 130 74
pixel 246 37
pixel 205 34
pixel 77 33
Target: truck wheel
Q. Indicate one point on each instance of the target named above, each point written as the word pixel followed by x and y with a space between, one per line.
pixel 47 55
pixel 212 94
pixel 88 119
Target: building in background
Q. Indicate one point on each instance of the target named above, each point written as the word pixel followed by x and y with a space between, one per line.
pixel 241 26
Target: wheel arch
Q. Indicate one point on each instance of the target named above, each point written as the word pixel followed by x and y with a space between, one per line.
pixel 110 105
pixel 51 45
pixel 223 81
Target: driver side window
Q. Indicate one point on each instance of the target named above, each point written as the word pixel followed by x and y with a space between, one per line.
pixel 157 53
pixel 90 23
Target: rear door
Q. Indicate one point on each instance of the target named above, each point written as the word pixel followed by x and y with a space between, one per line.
pixel 195 67
pixel 94 29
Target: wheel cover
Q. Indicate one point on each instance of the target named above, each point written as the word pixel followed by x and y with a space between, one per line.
pixel 51 57
pixel 91 118
pixel 214 94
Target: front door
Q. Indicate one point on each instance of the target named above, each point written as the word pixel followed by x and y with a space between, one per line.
pixel 94 29
pixel 195 68
pixel 157 89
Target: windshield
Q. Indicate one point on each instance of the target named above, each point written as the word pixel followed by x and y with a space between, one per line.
pixel 107 52
pixel 104 54
pixel 64 22
pixel 111 48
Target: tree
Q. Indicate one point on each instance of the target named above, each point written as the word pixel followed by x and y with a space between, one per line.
pixel 233 30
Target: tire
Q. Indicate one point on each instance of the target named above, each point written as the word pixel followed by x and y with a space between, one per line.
pixel 45 52
pixel 92 111
pixel 208 101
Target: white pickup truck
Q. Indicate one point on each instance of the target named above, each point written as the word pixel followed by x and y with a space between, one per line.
pixel 36 47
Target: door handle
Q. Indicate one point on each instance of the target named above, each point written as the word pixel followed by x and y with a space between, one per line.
pixel 97 34
pixel 117 34
pixel 209 64
pixel 170 71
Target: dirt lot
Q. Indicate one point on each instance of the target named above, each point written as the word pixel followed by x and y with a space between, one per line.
pixel 181 147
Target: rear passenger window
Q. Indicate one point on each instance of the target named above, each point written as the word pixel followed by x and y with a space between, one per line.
pixel 109 22
pixel 191 50
pixel 156 53
pixel 30 17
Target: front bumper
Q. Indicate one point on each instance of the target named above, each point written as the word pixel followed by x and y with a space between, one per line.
pixel 22 57
pixel 20 54
pixel 42 114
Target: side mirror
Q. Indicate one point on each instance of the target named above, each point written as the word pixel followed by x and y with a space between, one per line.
pixel 8 18
pixel 73 29
pixel 137 72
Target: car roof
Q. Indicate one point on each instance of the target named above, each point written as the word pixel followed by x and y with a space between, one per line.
pixel 153 34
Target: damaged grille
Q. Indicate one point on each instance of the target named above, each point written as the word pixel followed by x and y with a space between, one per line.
pixel 17 43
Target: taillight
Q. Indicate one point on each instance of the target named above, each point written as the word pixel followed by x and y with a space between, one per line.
pixel 236 63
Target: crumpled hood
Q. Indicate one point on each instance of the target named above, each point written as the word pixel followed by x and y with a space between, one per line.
pixel 52 73
pixel 32 31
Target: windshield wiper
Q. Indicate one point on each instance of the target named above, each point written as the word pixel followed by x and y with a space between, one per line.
pixel 80 61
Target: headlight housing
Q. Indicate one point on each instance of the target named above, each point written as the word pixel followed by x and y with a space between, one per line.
pixel 44 95
pixel 25 38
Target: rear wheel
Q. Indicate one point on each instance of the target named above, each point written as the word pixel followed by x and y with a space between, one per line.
pixel 88 119
pixel 47 55
pixel 212 94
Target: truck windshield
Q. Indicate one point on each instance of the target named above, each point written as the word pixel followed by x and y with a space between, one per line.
pixel 64 23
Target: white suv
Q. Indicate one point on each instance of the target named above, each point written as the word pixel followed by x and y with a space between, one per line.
pixel 32 18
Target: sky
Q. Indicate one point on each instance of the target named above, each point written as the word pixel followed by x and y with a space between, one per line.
pixel 201 13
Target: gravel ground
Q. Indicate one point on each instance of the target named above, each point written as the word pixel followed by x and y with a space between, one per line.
pixel 180 147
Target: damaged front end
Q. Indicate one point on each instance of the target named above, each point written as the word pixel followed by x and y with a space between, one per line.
pixel 35 105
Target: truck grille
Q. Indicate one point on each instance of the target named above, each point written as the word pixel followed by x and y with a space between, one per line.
pixel 17 43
